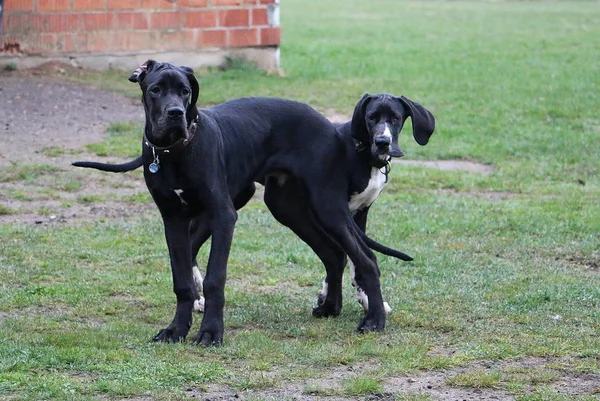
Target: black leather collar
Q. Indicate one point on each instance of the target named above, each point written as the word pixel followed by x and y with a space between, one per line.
pixel 177 146
pixel 171 149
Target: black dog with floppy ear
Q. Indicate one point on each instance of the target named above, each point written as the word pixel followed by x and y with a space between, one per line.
pixel 374 114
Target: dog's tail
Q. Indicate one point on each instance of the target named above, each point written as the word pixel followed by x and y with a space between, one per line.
pixel 113 168
pixel 376 246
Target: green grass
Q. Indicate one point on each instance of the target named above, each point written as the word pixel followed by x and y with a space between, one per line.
pixel 124 140
pixel 506 264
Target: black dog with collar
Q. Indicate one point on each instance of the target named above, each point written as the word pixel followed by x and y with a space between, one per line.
pixel 199 187
pixel 372 141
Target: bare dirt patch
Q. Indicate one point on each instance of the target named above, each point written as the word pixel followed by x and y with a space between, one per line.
pixel 40 111
pixel 433 384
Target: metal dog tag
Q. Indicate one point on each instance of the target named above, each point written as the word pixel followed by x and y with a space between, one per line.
pixel 153 167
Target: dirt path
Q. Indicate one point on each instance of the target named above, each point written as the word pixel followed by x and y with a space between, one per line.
pixel 45 124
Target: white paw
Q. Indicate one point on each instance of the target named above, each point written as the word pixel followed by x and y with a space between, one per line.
pixel 199 305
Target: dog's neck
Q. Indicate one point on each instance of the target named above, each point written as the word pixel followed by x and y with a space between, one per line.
pixel 175 147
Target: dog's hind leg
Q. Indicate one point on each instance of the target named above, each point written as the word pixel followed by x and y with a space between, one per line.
pixel 289 205
pixel 333 215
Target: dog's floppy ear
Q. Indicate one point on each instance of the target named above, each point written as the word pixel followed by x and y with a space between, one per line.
pixel 423 122
pixel 140 73
pixel 358 126
pixel 192 110
pixel 189 73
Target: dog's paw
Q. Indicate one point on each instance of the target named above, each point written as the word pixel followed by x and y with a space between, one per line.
pixel 368 324
pixel 199 305
pixel 208 339
pixel 325 310
pixel 168 336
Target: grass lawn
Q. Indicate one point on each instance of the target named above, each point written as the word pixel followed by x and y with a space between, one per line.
pixel 504 292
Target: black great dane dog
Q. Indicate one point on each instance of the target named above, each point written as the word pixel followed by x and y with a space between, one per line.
pixel 371 138
pixel 200 167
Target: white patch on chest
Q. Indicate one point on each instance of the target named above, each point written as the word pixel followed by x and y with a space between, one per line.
pixel 179 192
pixel 370 193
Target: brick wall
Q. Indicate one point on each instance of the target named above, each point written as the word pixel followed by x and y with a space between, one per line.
pixel 54 27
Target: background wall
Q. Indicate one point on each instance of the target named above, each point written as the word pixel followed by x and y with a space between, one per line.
pixel 120 27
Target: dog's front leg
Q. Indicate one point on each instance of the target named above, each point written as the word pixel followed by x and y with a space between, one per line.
pixel 222 223
pixel 177 233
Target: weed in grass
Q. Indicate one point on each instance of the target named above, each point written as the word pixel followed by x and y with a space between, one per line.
pixel 88 199
pixel 71 185
pixel 140 197
pixel 4 210
pixel 361 386
pixel 413 397
pixel 45 211
pixel 25 172
pixel 476 379
pixel 56 151
pixel 548 394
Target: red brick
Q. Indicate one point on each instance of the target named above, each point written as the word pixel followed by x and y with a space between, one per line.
pixel 135 41
pixel 201 19
pixel 260 17
pixel 18 25
pixel 226 2
pixel 53 5
pixel 216 38
pixel 56 22
pixel 17 5
pixel 123 4
pixel 270 36
pixel 158 4
pixel 267 1
pixel 89 5
pixel 131 20
pixel 93 42
pixel 192 3
pixel 234 18
pixel 165 20
pixel 97 21
pixel 173 40
pixel 243 37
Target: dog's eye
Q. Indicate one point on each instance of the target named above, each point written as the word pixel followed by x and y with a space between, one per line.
pixel 185 92
pixel 371 117
pixel 395 120
pixel 155 90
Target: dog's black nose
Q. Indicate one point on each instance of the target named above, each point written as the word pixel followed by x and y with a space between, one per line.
pixel 383 141
pixel 175 112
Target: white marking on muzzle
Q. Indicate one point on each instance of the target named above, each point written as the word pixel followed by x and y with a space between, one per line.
pixel 386 132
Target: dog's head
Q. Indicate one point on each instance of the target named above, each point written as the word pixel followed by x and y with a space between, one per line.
pixel 169 95
pixel 378 120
